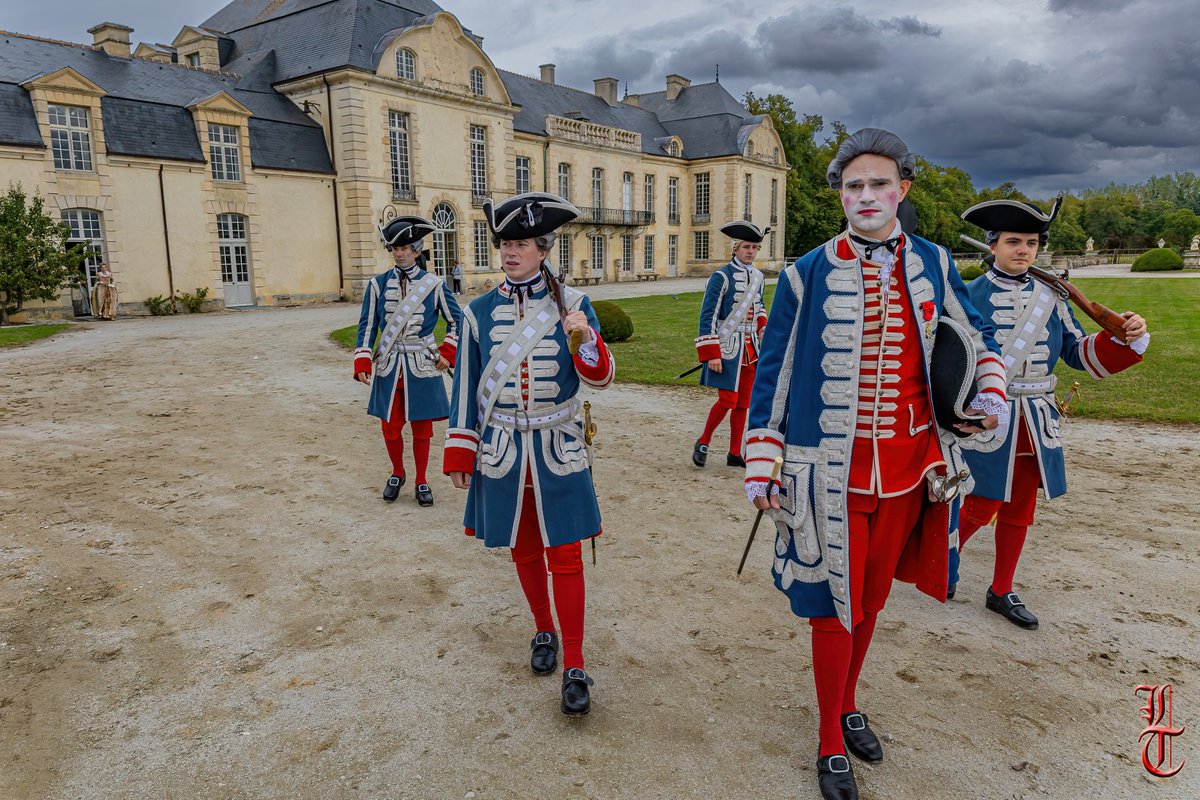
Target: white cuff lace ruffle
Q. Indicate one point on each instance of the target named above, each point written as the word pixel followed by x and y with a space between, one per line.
pixel 590 353
pixel 759 489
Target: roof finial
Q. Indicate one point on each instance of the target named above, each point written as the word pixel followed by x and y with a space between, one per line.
pixel 718 73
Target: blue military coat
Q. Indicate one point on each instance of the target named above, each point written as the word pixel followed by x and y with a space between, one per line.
pixel 505 456
pixel 412 364
pixel 722 293
pixel 804 408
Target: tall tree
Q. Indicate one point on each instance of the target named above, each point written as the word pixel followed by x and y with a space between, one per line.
pixel 35 263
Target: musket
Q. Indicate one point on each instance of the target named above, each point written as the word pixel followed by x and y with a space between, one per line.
pixel 574 338
pixel 774 477
pixel 1103 316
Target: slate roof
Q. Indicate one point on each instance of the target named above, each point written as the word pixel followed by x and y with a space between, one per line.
pixel 145 106
pixel 313 36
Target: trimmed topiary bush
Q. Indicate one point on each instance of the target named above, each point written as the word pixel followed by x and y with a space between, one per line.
pixel 971 272
pixel 1160 259
pixel 615 324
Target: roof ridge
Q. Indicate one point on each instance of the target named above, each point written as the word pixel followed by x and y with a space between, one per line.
pixel 620 103
pixel 33 38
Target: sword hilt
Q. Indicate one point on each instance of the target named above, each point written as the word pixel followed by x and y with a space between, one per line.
pixel 575 342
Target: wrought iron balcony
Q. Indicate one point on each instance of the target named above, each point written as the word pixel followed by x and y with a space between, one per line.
pixel 701 219
pixel 673 219
pixel 477 200
pixel 404 195
pixel 590 215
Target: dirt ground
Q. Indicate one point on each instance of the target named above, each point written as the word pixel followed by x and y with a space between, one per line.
pixel 203 596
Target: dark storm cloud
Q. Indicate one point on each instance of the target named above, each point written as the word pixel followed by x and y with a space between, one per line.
pixel 838 41
pixel 1076 7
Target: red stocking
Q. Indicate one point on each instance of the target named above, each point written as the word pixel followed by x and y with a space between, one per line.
pixel 422 433
pixel 832 650
pixel 566 565
pixel 737 430
pixel 715 417
pixel 863 632
pixel 530 560
pixel 1009 541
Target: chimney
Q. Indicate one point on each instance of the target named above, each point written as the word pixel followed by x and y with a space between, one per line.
pixel 547 73
pixel 634 100
pixel 112 39
pixel 675 85
pixel 606 90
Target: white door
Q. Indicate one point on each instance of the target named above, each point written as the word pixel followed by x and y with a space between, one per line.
pixel 235 260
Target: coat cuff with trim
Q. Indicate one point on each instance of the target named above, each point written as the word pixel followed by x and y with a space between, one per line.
pixel 362 360
pixel 459 452
pixel 763 446
pixel 708 347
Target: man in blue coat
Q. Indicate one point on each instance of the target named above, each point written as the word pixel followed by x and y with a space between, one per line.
pixel 515 440
pixel 732 317
pixel 1035 328
pixel 397 354
pixel 842 395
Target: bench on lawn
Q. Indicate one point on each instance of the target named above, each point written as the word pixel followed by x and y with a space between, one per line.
pixel 647 276
pixel 586 280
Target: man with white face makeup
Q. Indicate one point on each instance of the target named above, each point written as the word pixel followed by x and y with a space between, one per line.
pixel 842 395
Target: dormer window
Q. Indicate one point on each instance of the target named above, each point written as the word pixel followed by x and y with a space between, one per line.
pixel 673 148
pixel 193 60
pixel 224 153
pixel 70 138
pixel 406 64
pixel 477 82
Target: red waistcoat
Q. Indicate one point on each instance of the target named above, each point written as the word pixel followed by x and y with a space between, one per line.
pixel 895 440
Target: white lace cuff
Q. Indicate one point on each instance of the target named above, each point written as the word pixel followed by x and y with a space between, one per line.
pixel 989 403
pixel 590 353
pixel 759 489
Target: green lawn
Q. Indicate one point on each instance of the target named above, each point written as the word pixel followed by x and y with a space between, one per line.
pixel 1162 389
pixel 22 334
pixel 347 336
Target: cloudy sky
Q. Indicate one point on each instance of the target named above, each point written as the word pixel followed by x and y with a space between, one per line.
pixel 1053 94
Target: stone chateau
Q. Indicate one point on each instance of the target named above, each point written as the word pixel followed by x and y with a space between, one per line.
pixel 256 153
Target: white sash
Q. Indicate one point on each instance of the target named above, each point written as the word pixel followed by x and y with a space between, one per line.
pixel 731 325
pixel 540 318
pixel 1028 329
pixel 401 316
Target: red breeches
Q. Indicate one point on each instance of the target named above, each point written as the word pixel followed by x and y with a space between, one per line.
pixel 393 438
pixel 728 401
pixel 1012 520
pixel 879 530
pixel 565 563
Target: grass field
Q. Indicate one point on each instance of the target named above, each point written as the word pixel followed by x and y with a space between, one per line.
pixel 1164 388
pixel 22 334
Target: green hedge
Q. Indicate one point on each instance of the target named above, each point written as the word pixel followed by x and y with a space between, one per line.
pixel 615 324
pixel 1160 259
pixel 971 272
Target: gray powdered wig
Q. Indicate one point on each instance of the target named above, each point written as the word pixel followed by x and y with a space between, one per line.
pixel 876 141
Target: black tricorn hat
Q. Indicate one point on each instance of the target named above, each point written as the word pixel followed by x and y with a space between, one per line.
pixel 528 216
pixel 1014 216
pixel 742 231
pixel 399 231
pixel 952 375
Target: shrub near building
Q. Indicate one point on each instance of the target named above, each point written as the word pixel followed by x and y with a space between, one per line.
pixel 615 324
pixel 1160 259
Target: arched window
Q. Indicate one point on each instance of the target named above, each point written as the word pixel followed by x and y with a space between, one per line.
pixel 406 64
pixel 477 82
pixel 673 148
pixel 445 239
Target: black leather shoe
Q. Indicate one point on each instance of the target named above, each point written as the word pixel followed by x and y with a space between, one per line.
pixel 835 778
pixel 735 461
pixel 543 656
pixel 424 494
pixel 391 489
pixel 860 739
pixel 576 694
pixel 1010 606
pixel 950 590
pixel 700 454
